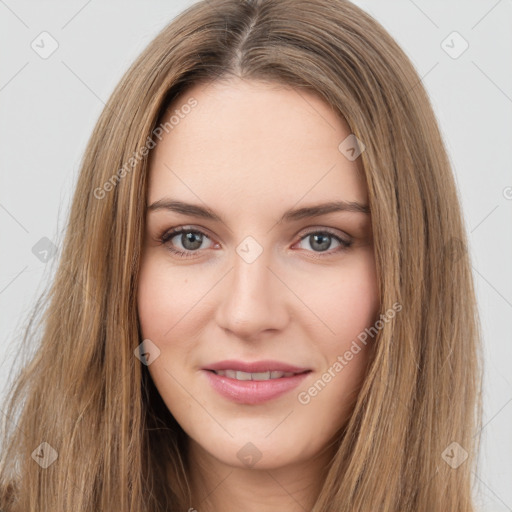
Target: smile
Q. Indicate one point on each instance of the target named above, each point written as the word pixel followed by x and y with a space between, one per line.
pixel 253 383
pixel 238 375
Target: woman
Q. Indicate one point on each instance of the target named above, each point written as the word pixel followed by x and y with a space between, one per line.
pixel 216 340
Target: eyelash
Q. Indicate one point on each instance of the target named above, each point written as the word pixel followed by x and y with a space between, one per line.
pixel 166 236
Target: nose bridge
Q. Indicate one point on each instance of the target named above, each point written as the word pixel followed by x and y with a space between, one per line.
pixel 251 273
pixel 251 302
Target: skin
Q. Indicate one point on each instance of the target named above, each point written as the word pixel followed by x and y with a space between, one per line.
pixel 249 151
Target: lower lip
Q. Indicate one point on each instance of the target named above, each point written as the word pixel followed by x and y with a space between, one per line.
pixel 253 391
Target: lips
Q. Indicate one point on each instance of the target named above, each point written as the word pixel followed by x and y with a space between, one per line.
pixel 255 367
pixel 238 375
pixel 253 382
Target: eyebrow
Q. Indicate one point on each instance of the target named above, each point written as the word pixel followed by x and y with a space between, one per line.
pixel 195 210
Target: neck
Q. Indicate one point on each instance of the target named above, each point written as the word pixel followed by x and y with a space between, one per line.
pixel 218 486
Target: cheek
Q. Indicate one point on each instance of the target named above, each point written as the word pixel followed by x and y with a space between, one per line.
pixel 347 299
pixel 164 297
pixel 352 307
pixel 164 304
pixel 153 300
pixel 358 307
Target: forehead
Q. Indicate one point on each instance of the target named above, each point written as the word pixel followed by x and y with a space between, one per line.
pixel 252 146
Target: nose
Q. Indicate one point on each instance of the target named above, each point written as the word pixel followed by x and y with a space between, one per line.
pixel 253 299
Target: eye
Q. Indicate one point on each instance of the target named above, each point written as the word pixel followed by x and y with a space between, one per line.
pixel 321 240
pixel 190 239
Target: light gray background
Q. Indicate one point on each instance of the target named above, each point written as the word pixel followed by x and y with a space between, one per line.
pixel 48 108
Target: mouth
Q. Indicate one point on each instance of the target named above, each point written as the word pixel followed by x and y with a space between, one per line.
pixel 253 383
pixel 239 375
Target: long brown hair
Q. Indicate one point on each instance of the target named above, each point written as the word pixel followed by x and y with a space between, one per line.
pixel 87 395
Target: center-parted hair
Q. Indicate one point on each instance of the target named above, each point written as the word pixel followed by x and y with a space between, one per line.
pixel 88 397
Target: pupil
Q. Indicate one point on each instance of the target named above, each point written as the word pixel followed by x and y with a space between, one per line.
pixel 189 239
pixel 323 245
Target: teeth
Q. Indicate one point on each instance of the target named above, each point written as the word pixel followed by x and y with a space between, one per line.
pixel 278 375
pixel 238 375
pixel 260 376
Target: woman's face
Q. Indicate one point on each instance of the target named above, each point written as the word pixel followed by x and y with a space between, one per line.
pixel 264 286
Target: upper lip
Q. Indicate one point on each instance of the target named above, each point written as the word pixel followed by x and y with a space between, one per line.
pixel 255 366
